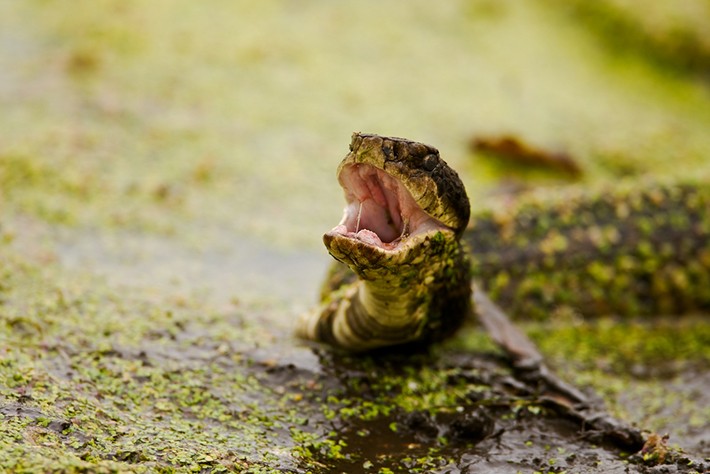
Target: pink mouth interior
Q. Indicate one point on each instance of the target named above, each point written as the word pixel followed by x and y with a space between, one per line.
pixel 380 210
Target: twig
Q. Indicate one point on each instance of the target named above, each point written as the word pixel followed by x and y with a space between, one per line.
pixel 528 364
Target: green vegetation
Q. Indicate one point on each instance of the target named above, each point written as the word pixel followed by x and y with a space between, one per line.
pixel 218 125
pixel 95 380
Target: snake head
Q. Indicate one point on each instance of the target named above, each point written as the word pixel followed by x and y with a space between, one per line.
pixel 400 233
pixel 398 194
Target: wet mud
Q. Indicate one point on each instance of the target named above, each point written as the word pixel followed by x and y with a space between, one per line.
pixel 385 413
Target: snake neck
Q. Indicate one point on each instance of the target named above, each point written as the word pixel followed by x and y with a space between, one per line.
pixel 370 315
pixel 396 305
pixel 421 298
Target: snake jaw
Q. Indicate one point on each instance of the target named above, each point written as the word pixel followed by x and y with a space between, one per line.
pixel 405 212
pixel 376 202
pixel 381 217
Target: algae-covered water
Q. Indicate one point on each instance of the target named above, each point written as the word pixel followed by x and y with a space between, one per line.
pixel 167 169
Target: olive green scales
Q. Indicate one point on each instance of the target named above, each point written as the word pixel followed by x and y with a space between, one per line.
pixel 637 249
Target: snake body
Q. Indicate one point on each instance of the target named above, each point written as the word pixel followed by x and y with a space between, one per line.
pixel 405 275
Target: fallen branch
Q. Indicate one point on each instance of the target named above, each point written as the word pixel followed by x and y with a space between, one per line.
pixel 528 364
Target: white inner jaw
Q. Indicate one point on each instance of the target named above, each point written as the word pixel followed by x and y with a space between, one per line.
pixel 380 211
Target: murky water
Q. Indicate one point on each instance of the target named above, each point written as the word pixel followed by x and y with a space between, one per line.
pixel 249 272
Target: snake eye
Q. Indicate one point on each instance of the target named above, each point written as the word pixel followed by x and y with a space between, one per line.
pixel 430 162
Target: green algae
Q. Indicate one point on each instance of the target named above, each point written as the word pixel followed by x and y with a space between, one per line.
pixel 96 381
pixel 618 346
pixel 648 371
pixel 62 193
pixel 171 118
pixel 163 388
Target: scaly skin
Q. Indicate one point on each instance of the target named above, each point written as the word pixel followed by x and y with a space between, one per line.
pixel 638 249
pixel 414 288
pixel 422 296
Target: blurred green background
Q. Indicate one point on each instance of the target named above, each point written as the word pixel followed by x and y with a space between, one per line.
pixel 219 125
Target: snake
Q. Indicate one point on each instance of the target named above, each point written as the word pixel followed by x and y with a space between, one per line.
pixel 408 249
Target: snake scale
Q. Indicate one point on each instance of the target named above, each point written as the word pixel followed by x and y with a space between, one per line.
pixel 408 253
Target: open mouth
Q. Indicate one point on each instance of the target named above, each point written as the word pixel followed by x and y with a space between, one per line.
pixel 380 211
